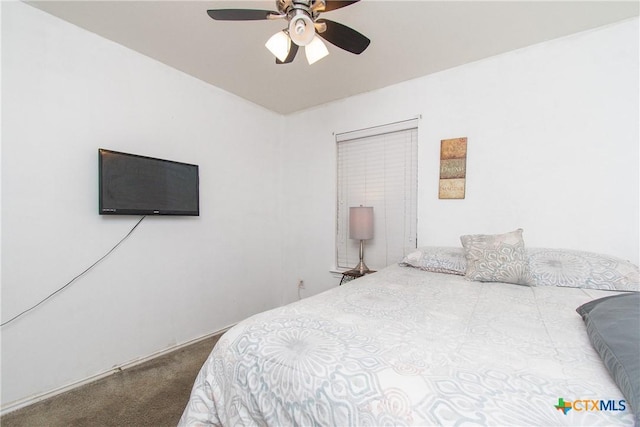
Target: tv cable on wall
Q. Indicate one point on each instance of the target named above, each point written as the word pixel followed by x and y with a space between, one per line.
pixel 76 277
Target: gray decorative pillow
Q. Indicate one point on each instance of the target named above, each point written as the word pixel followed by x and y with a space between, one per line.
pixel 496 257
pixel 437 259
pixel 579 269
pixel 612 326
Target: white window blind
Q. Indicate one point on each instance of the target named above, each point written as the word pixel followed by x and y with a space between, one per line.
pixel 378 167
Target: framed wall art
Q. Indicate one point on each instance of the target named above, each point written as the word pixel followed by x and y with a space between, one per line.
pixel 453 168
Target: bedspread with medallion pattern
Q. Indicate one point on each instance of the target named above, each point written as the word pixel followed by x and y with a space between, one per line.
pixel 409 347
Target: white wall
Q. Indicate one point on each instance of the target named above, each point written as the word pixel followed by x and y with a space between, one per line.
pixel 552 147
pixel 65 93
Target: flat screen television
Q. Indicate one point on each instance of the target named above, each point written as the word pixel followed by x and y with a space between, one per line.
pixel 130 184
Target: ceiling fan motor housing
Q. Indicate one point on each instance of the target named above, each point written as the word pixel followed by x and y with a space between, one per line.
pixel 311 6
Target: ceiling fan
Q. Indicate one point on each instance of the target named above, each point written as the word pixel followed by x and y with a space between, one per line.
pixel 304 25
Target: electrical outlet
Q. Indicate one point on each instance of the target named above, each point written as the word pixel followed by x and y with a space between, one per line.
pixel 300 284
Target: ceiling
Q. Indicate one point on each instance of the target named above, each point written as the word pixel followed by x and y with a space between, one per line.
pixel 409 39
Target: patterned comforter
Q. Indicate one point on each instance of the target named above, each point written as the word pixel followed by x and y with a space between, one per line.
pixel 409 347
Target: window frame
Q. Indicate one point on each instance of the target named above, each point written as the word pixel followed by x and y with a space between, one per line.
pixel 347 250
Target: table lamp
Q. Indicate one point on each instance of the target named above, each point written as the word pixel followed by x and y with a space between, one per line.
pixel 361 228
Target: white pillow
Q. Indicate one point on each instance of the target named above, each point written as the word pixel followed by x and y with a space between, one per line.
pixel 496 257
pixel 580 269
pixel 437 259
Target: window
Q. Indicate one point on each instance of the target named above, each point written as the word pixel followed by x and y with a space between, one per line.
pixel 378 167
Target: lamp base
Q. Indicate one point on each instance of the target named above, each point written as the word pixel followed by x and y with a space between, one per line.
pixel 361 268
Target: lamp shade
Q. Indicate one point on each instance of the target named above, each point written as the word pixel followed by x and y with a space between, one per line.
pixel 301 29
pixel 361 223
pixel 279 44
pixel 316 50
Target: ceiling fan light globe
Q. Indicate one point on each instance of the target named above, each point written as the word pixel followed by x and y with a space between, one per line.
pixel 279 45
pixel 315 51
pixel 301 29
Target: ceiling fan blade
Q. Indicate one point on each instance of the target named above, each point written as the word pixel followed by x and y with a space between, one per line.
pixel 291 56
pixel 242 14
pixel 344 37
pixel 333 5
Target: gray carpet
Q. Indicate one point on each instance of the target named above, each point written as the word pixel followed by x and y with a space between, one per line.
pixel 150 394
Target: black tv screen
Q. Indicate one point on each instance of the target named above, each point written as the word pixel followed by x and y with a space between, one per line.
pixel 130 184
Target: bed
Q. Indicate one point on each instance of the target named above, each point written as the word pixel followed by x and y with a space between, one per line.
pixel 419 343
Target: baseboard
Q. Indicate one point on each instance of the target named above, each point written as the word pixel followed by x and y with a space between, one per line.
pixel 14 406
